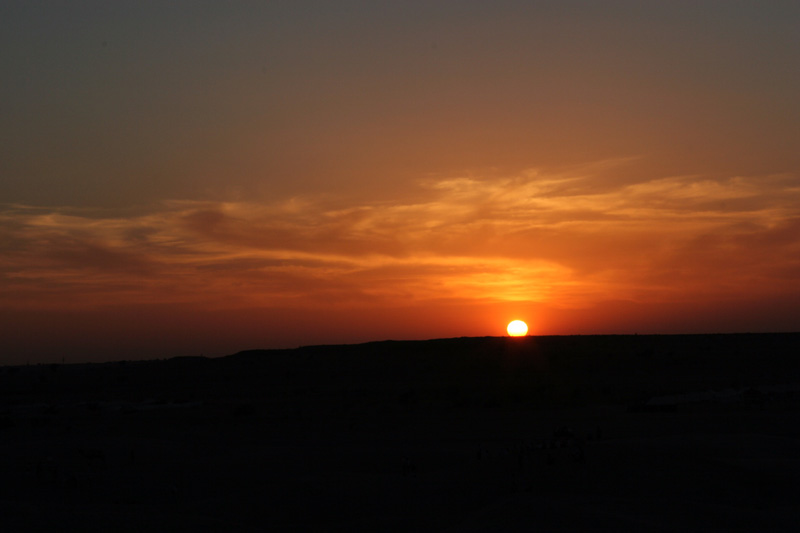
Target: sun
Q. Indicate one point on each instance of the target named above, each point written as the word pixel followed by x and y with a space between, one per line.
pixel 517 328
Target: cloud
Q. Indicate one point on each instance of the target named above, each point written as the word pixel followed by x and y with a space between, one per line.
pixel 556 239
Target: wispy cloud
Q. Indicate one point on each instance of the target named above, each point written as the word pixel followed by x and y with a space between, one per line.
pixel 530 237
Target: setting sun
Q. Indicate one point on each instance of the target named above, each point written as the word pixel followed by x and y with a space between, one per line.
pixel 517 328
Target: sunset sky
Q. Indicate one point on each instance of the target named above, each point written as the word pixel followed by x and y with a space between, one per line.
pixel 196 177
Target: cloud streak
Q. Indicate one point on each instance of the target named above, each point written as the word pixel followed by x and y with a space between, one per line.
pixel 554 239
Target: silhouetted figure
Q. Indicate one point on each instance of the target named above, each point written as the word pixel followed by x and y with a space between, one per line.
pixel 479 455
pixel 70 481
pixel 409 468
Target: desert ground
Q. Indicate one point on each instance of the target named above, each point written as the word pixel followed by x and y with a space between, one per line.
pixel 622 433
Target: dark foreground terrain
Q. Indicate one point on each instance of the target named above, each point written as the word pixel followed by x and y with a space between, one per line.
pixel 622 433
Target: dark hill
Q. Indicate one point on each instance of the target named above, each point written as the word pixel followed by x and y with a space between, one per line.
pixel 534 371
pixel 623 433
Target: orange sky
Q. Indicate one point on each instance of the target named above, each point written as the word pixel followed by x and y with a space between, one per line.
pixel 198 179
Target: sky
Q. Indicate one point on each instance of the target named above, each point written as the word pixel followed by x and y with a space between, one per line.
pixel 187 178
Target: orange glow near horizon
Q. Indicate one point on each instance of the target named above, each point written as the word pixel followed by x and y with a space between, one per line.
pixel 624 259
pixel 379 173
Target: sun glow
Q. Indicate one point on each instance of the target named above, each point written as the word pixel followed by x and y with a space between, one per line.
pixel 517 328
